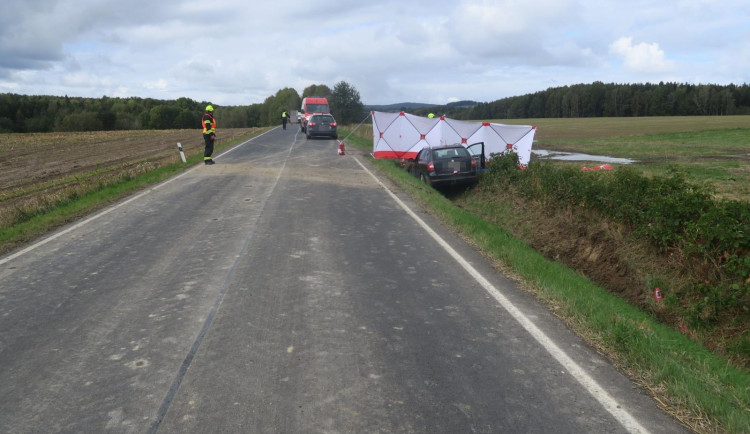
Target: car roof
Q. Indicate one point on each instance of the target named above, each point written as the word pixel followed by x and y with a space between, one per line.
pixel 455 145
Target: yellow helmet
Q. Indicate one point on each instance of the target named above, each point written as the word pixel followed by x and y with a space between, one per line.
pixel 209 108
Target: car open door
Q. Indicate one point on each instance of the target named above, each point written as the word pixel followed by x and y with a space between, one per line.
pixel 476 150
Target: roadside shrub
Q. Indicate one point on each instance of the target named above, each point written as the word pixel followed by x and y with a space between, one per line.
pixel 719 244
pixel 504 171
pixel 502 168
pixel 723 232
pixel 675 216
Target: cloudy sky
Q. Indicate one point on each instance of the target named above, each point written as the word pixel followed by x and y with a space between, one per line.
pixel 238 52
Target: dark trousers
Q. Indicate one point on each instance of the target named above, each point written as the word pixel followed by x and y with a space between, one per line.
pixel 209 139
pixel 283 122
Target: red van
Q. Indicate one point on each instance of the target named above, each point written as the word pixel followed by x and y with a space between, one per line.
pixel 312 105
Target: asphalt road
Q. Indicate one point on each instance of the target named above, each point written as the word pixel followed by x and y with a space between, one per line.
pixel 287 289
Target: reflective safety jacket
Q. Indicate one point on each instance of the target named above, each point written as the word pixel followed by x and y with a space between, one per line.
pixel 209 124
pixel 283 115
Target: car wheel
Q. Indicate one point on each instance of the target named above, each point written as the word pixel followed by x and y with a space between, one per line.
pixel 424 179
pixel 307 135
pixel 335 137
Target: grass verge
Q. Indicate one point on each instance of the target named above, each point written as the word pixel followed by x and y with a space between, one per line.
pixel 701 389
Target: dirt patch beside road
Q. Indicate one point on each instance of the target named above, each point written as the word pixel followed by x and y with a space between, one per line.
pixel 41 169
pixel 599 249
pixel 29 159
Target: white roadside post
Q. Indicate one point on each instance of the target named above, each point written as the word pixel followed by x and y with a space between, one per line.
pixel 182 154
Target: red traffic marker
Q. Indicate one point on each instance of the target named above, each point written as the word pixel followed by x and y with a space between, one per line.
pixel 658 296
pixel 341 148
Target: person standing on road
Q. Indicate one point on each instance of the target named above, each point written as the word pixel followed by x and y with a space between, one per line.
pixel 283 119
pixel 209 133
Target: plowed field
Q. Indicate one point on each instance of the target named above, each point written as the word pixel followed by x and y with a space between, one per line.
pixel 41 168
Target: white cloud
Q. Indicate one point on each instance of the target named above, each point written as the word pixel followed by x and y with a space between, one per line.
pixel 235 52
pixel 642 57
pixel 159 85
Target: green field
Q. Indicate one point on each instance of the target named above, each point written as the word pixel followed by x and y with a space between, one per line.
pixel 710 149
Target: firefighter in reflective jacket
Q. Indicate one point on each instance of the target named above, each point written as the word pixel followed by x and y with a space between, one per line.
pixel 209 133
pixel 283 119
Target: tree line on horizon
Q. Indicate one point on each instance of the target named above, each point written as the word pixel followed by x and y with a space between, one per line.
pixel 610 100
pixel 40 113
pixel 44 113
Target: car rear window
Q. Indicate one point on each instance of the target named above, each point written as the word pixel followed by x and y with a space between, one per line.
pixel 442 154
pixel 318 118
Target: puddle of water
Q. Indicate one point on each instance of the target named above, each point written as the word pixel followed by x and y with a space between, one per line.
pixel 572 156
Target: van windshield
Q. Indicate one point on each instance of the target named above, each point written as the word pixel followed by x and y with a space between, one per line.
pixel 317 108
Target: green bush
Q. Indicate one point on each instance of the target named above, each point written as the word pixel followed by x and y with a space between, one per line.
pixel 669 212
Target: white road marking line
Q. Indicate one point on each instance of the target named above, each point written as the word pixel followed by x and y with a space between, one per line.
pixel 597 391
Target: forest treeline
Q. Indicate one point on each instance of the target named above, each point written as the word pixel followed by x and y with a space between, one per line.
pixel 39 113
pixel 31 113
pixel 611 100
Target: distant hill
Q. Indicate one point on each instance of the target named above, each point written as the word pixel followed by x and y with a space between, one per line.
pixel 456 109
pixel 466 103
pixel 420 107
pixel 397 107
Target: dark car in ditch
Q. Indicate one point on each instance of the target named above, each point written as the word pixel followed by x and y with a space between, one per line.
pixel 448 165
